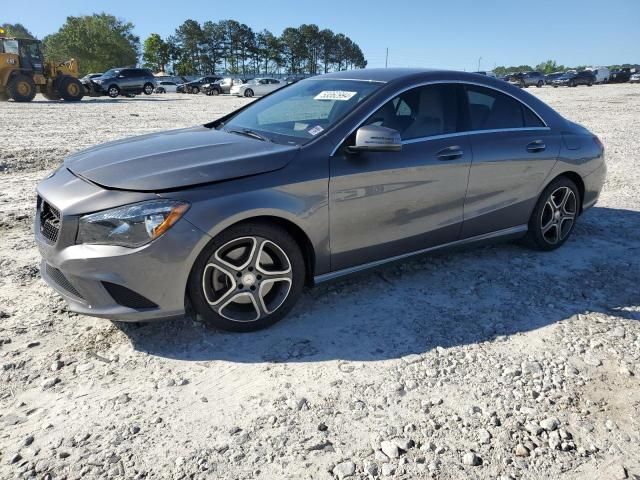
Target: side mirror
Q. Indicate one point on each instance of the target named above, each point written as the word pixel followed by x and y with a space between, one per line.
pixel 372 138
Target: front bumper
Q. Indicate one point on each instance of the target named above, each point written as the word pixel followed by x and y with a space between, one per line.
pixel 118 283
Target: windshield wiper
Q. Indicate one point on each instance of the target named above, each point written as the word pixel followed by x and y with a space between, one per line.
pixel 250 133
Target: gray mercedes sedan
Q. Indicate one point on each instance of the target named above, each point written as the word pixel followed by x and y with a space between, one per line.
pixel 322 178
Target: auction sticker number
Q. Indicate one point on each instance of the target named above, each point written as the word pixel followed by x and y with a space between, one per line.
pixel 340 95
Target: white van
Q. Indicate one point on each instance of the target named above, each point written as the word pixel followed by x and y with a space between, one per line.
pixel 602 74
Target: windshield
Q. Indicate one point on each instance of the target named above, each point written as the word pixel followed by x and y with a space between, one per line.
pixel 111 73
pixel 302 111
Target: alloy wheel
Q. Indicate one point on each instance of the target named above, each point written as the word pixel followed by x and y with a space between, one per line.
pixel 247 279
pixel 558 215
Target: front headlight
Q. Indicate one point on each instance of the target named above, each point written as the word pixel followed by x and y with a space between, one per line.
pixel 131 225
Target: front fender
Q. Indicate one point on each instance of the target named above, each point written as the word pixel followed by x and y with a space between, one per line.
pixel 304 205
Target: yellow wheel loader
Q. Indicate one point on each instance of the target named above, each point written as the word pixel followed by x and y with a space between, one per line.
pixel 23 73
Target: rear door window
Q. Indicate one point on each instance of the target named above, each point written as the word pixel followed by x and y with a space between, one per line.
pixel 492 110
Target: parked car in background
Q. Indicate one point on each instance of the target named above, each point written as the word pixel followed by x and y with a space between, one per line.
pixel 635 78
pixel 234 217
pixel 195 86
pixel 621 75
pixel 527 79
pixel 602 74
pixel 257 86
pixel 90 76
pixel 552 76
pixel 166 87
pixel 123 81
pixel 573 79
pixel 221 86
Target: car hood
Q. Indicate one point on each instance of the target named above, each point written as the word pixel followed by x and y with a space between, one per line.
pixel 177 158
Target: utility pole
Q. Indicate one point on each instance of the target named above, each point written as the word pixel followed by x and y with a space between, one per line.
pixel 479 60
pixel 386 59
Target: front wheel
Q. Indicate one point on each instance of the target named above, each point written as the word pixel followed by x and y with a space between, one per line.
pixel 147 89
pixel 113 91
pixel 248 93
pixel 195 90
pixel 554 216
pixel 247 278
pixel 71 90
pixel 539 85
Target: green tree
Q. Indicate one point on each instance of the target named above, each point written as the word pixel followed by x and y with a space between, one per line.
pixel 190 40
pixel 550 66
pixel 16 30
pixel 155 53
pixel 99 42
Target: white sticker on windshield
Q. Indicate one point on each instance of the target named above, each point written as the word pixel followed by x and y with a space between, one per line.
pixel 341 95
pixel 315 130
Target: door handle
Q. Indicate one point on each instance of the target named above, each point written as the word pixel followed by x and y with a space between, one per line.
pixel 536 146
pixel 450 153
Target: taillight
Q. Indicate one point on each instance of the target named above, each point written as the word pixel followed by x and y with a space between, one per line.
pixel 598 142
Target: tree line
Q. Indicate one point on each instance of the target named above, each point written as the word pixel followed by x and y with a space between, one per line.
pixel 232 47
pixel 102 41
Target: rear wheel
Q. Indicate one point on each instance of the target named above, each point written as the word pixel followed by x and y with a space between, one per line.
pixel 113 91
pixel 590 84
pixel 147 89
pixel 195 90
pixel 214 91
pixel 539 85
pixel 71 90
pixel 248 93
pixel 21 88
pixel 554 216
pixel 247 278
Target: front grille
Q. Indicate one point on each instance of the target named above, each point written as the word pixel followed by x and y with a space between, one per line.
pixel 58 277
pixel 49 220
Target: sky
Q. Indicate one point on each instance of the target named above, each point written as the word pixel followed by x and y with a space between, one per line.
pixel 455 34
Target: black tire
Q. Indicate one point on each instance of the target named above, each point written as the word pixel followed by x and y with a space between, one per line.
pixel 539 85
pixel 203 275
pixel 195 90
pixel 160 90
pixel 113 91
pixel 71 89
pixel 214 91
pixel 248 93
pixel 148 88
pixel 590 84
pixel 539 235
pixel 573 84
pixel 21 88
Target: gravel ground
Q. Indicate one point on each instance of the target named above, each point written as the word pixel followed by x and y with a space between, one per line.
pixel 496 362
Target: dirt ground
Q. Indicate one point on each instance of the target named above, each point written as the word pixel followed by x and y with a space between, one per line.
pixel 495 362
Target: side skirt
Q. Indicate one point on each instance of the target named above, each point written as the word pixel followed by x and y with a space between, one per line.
pixel 505 234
